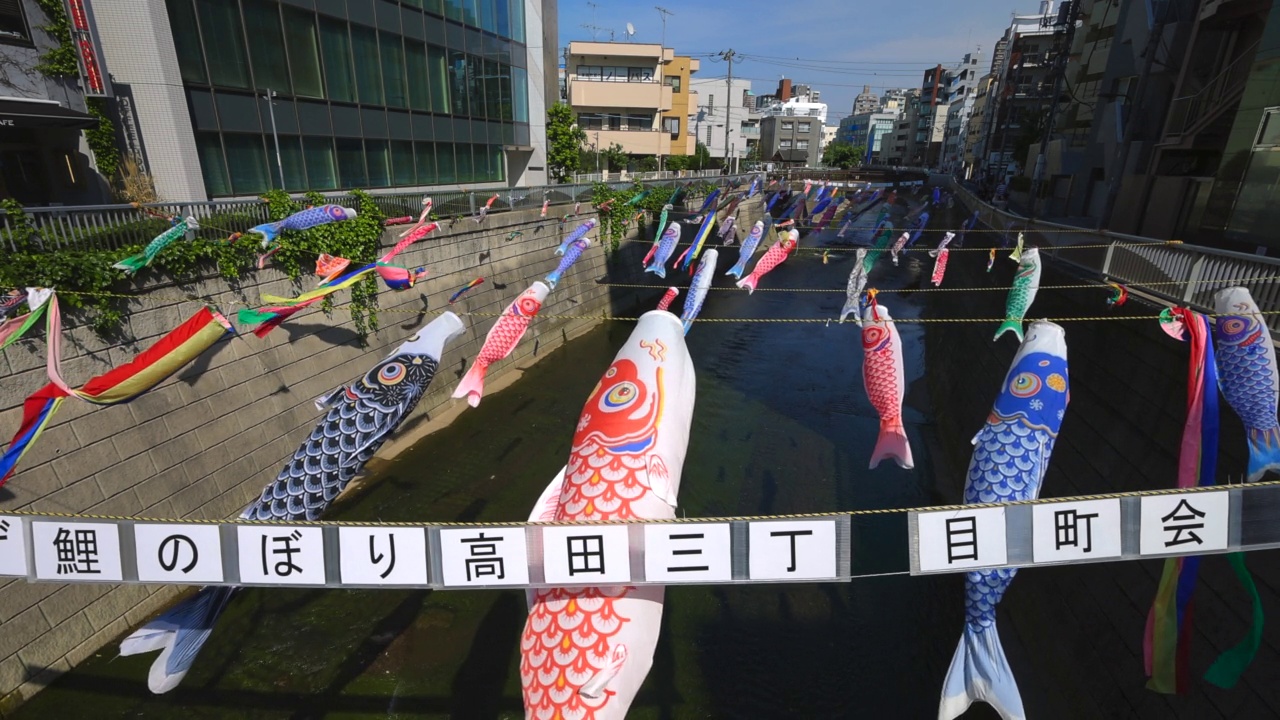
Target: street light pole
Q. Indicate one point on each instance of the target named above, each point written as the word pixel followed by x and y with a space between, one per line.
pixel 271 111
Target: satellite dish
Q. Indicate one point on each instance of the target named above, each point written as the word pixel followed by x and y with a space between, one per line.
pixel 631 30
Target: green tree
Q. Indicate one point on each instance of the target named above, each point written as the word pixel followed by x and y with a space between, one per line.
pixel 646 163
pixel 564 141
pixel 701 157
pixel 614 158
pixel 678 162
pixel 843 155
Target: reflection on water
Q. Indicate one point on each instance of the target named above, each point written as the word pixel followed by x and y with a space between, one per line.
pixel 781 425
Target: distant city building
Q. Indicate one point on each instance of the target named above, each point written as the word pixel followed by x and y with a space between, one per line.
pixel 868 130
pixel 893 100
pixel 791 140
pixel 866 102
pixel 619 95
pixel 678 75
pixel 717 106
pixel 828 136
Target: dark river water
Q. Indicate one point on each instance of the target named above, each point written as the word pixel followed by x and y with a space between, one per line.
pixel 782 424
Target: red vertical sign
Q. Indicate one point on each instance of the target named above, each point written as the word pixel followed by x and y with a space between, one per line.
pixel 95 84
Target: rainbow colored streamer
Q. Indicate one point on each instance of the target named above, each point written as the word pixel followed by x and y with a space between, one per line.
pixel 474 283
pixel 695 249
pixel 168 355
pixel 1167 640
pixel 15 327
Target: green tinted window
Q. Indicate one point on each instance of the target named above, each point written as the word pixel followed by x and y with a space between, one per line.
pixel 458 82
pixel 304 52
pixel 462 159
pixel 402 172
pixel 453 9
pixel 270 70
pixel 416 73
pixel 351 164
pixel 379 157
pixel 393 80
pixel 445 172
pixel 426 163
pixel 248 164
pixel 212 166
pixel 322 172
pixel 517 21
pixel 364 46
pixel 295 172
pixel 492 91
pixel 228 61
pixel 520 94
pixel 186 40
pixel 440 78
pixel 339 78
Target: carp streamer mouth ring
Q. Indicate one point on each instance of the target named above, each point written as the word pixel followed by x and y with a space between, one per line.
pixel 1025 385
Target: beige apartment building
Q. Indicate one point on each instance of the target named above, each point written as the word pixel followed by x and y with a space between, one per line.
pixel 633 94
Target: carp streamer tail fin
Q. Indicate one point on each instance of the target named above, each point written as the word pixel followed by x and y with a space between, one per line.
pixel 892 444
pixel 656 269
pixel 980 672
pixel 748 282
pixel 472 385
pixel 1013 326
pixel 178 634
pixel 1264 452
pixel 738 269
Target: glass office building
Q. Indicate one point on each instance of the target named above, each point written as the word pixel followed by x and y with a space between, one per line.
pixel 366 93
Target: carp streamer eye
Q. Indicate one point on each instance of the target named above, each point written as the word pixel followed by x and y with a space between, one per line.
pixel 620 396
pixel 1025 385
pixel 391 374
pixel 1234 325
pixel 873 335
pixel 529 306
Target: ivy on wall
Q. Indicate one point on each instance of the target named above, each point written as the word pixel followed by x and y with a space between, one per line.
pixel 60 61
pixel 102 138
pixel 87 281
pixel 617 218
pixel 357 240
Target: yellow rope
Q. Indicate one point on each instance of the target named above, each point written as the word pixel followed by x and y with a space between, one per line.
pixel 632 521
pixel 999 288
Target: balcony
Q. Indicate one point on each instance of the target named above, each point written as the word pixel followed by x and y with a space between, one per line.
pixel 596 94
pixel 633 142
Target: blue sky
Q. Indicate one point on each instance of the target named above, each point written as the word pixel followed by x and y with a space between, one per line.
pixel 822 33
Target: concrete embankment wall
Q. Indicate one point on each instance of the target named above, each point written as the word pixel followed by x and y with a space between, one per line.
pixel 1074 634
pixel 204 443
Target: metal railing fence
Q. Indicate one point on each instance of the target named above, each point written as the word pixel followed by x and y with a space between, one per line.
pixel 1179 273
pixel 111 227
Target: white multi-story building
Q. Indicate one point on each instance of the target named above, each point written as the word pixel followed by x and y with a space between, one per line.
pixel 962 89
pixel 720 102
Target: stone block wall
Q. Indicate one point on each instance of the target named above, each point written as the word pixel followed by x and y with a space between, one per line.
pixel 205 442
pixel 1074 634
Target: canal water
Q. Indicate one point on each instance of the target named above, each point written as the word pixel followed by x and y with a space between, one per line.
pixel 781 425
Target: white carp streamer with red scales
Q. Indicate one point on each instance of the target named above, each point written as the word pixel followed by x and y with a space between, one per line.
pixel 585 652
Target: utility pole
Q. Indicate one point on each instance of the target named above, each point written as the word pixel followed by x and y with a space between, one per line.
pixel 271 110
pixel 1060 74
pixel 728 56
pixel 664 13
